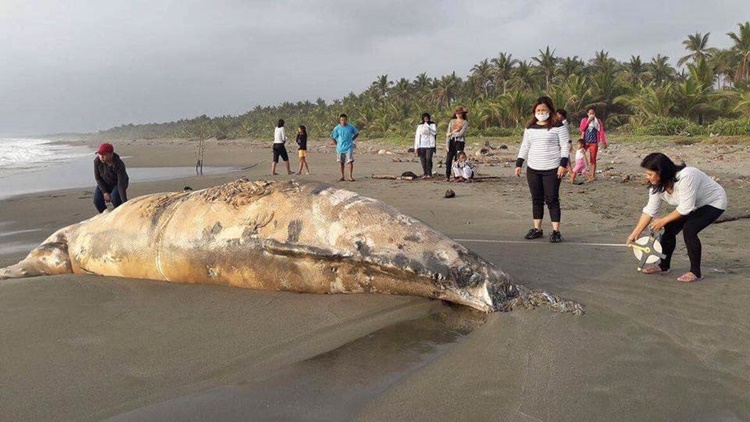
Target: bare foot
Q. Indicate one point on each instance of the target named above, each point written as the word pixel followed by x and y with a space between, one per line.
pixel 274 174
pixel 351 180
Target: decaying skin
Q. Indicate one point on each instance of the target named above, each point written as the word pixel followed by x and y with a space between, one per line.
pixel 290 236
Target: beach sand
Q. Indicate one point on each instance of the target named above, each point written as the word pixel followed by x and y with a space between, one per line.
pixel 648 348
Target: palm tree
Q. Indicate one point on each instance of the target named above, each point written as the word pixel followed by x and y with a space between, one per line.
pixel 635 70
pixel 660 69
pixel 697 45
pixel 547 64
pixel 602 63
pixel 570 66
pixel 649 101
pixel 502 69
pixel 445 90
pixel 382 84
pixel 401 91
pixel 523 75
pixel 482 75
pixel 742 47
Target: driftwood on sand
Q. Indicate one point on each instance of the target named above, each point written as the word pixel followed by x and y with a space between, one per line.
pixel 395 177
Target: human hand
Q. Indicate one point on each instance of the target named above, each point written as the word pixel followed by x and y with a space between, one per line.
pixel 561 172
pixel 518 172
pixel 604 146
pixel 632 238
pixel 658 224
pixel 107 198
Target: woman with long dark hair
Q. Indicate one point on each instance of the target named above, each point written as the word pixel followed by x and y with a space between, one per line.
pixel 699 200
pixel 455 138
pixel 545 149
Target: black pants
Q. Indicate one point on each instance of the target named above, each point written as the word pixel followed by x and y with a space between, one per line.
pixel 545 189
pixel 454 148
pixel 279 151
pixel 425 157
pixel 690 225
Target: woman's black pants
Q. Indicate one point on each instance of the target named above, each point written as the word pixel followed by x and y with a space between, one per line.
pixel 425 157
pixel 690 225
pixel 545 189
pixel 454 148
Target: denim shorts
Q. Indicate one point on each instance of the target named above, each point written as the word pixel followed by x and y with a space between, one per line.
pixel 345 157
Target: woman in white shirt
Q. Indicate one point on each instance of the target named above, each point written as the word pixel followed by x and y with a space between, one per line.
pixel 279 150
pixel 545 151
pixel 424 144
pixel 699 200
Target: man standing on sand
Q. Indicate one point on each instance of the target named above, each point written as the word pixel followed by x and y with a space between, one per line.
pixel 111 178
pixel 344 135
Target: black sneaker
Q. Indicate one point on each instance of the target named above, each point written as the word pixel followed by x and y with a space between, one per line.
pixel 534 234
pixel 555 237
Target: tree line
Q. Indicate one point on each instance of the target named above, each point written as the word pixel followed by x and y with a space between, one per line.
pixel 708 92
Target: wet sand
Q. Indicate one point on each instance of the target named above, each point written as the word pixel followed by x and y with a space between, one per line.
pixel 648 348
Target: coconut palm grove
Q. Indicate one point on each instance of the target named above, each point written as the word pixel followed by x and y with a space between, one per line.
pixel 707 94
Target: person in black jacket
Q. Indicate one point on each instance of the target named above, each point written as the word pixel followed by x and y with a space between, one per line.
pixel 111 178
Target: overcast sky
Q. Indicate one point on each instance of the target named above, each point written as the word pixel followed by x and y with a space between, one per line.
pixel 87 65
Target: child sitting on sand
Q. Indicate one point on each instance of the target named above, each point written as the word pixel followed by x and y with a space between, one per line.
pixel 462 169
pixel 582 163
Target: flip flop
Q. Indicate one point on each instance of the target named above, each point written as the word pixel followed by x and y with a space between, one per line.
pixel 654 270
pixel 341 180
pixel 688 278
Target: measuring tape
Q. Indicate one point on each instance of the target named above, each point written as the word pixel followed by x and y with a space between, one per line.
pixel 647 249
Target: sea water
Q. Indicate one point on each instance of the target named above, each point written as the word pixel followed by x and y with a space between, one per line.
pixel 39 165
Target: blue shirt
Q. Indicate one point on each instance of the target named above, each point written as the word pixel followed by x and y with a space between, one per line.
pixel 344 136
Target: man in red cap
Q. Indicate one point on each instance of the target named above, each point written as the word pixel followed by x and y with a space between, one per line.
pixel 111 178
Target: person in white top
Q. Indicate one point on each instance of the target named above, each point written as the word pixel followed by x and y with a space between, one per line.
pixel 545 150
pixel 699 200
pixel 424 144
pixel 279 150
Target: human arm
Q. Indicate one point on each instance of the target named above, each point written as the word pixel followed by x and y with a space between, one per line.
pixel 639 228
pixel 602 136
pixel 416 138
pixel 333 136
pixel 433 129
pixel 563 136
pixel 99 181
pixel 355 132
pixel 584 124
pixel 122 179
pixel 461 132
pixel 523 152
pixel 659 223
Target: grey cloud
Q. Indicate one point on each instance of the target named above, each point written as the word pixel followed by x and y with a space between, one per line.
pixel 88 65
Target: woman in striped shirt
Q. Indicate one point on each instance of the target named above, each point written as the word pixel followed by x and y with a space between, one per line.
pixel 545 151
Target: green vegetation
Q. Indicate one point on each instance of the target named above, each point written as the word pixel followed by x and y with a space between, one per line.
pixel 709 95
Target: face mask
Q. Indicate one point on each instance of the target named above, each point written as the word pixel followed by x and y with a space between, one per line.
pixel 542 117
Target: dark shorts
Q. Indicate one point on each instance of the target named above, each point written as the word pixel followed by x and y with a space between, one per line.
pixel 279 151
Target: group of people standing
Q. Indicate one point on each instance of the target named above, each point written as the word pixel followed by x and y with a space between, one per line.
pixel 457 166
pixel 699 199
pixel 545 150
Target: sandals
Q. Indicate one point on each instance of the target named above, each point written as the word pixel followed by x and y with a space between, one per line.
pixel 688 277
pixel 654 269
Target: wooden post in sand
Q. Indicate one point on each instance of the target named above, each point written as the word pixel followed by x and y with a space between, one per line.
pixel 199 157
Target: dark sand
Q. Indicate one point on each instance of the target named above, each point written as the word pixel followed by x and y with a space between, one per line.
pixel 648 348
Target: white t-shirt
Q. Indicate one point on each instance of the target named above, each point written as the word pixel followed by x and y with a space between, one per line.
pixel 579 154
pixel 692 190
pixel 279 137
